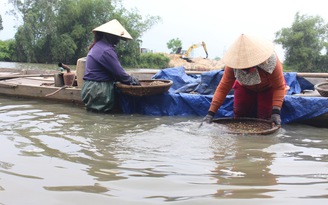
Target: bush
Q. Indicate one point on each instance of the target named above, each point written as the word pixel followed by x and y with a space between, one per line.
pixel 6 50
pixel 287 68
pixel 153 60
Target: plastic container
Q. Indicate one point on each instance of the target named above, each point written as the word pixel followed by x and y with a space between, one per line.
pixel 80 68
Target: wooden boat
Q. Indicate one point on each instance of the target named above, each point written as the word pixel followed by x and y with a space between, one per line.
pixel 41 85
pixel 30 84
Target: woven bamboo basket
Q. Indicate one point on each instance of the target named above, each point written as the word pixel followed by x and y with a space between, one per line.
pixel 147 87
pixel 322 88
pixel 245 125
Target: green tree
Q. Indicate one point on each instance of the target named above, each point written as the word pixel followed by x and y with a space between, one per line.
pixel 1 27
pixel 64 48
pixel 153 60
pixel 174 44
pixel 76 19
pixel 136 25
pixel 305 43
pixel 34 36
pixel 60 30
pixel 7 50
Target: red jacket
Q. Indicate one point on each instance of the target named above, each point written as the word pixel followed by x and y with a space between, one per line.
pixel 275 80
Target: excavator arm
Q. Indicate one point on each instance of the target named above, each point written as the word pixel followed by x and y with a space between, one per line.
pixel 205 48
pixel 186 56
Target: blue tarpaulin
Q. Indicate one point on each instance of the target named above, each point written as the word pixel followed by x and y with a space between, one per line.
pixel 192 95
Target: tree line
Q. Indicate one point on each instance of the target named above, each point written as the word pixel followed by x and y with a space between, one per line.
pixel 60 31
pixel 305 44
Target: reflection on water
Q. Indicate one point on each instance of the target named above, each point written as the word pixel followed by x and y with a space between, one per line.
pixel 61 154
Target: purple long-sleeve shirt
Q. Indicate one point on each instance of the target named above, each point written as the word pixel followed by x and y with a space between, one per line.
pixel 102 65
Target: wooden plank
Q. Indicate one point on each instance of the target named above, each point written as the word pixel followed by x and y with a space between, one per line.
pixel 313 75
pixel 7 85
pixel 72 95
pixel 24 76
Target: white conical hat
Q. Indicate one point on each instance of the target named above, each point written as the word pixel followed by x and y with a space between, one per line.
pixel 248 51
pixel 113 27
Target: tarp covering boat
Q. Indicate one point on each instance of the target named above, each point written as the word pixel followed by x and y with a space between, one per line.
pixel 192 94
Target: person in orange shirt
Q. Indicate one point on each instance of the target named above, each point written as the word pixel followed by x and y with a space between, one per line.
pixel 255 73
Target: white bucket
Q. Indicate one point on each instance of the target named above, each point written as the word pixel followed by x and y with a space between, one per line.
pixel 80 68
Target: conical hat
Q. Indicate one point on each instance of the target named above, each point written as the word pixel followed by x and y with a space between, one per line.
pixel 248 51
pixel 113 27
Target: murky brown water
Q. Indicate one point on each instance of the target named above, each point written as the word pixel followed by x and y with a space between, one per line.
pixel 60 154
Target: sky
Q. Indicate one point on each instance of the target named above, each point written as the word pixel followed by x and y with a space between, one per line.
pixel 217 23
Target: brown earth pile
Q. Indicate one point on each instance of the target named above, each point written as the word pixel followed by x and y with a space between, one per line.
pixel 197 64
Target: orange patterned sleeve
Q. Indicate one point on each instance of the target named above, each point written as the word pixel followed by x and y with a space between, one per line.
pixel 223 89
pixel 278 84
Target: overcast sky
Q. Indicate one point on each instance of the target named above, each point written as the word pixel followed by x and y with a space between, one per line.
pixel 217 23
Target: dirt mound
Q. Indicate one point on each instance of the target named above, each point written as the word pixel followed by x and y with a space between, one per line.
pixel 197 64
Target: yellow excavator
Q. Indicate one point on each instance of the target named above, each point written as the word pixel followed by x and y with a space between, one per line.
pixel 186 54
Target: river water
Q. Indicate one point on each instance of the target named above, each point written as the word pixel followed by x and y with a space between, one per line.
pixel 60 154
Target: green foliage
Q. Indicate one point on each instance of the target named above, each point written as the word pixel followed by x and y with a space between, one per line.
pixel 153 60
pixel 6 50
pixel 174 44
pixel 129 52
pixel 63 48
pixel 287 68
pixel 305 44
pixel 60 30
pixel 77 18
pixel 1 27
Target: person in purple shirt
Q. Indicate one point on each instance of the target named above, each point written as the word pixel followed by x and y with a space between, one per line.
pixel 103 68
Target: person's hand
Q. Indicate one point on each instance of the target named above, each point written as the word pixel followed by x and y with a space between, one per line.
pixel 208 119
pixel 134 81
pixel 275 118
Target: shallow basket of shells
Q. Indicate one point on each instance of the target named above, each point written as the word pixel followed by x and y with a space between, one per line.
pixel 244 125
pixel 146 87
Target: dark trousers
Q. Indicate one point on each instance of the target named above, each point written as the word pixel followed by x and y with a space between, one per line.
pixel 249 103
